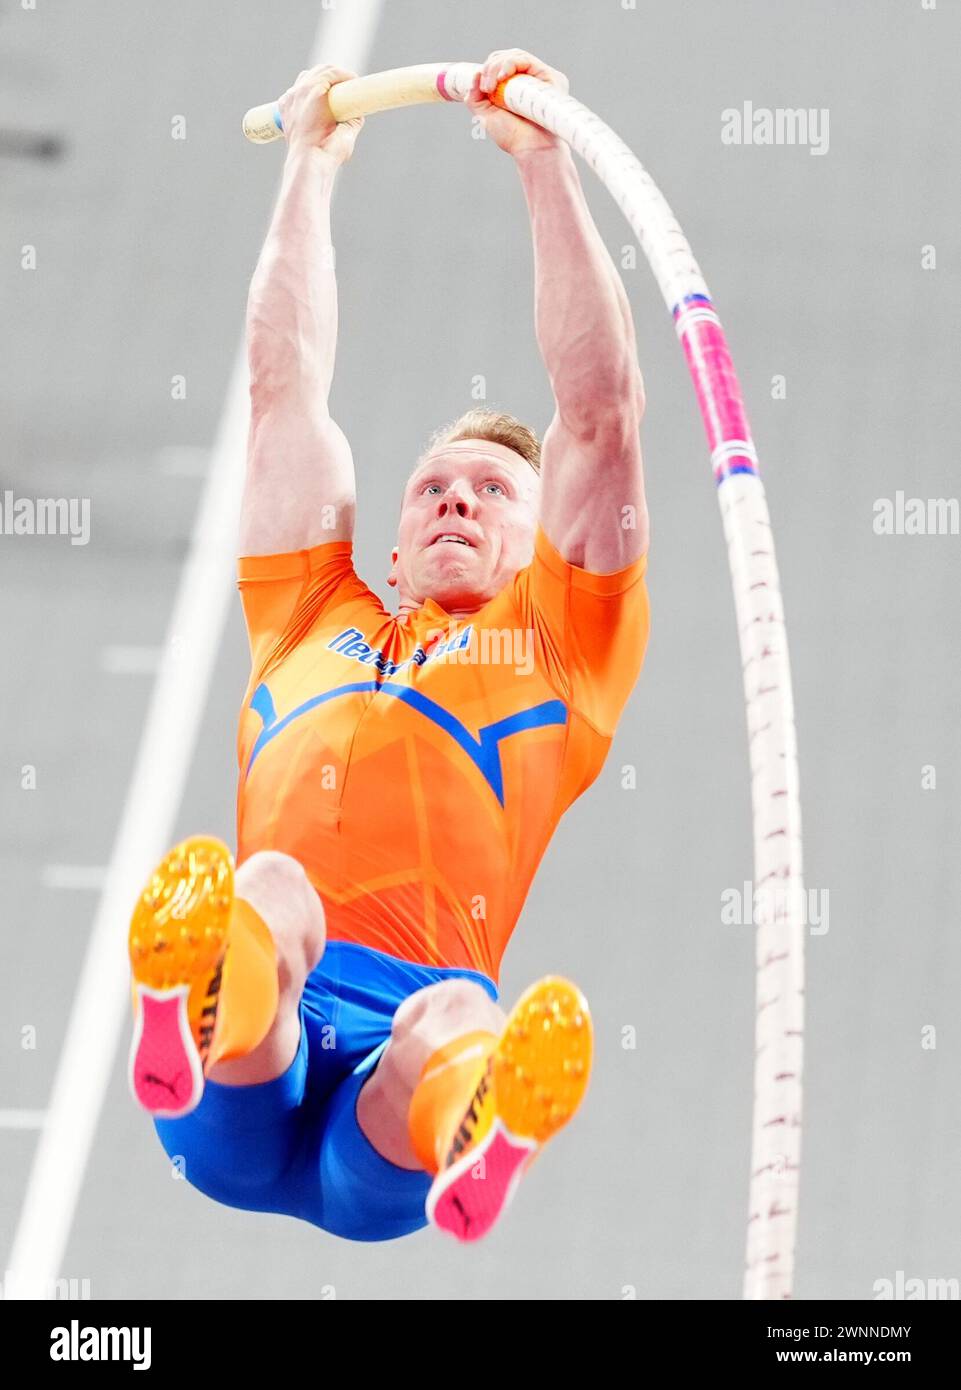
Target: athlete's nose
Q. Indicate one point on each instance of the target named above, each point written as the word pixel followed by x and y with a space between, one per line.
pixel 454 502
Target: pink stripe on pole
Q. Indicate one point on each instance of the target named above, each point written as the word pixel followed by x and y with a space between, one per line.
pixel 442 87
pixel 718 392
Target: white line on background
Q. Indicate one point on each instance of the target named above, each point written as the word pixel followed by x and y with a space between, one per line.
pixel 100 1007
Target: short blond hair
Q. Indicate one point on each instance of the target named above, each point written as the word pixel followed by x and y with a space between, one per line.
pixel 495 425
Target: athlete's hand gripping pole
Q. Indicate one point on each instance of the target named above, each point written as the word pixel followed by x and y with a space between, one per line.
pixel 383 91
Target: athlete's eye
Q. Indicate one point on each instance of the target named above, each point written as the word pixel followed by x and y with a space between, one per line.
pixel 432 488
pixel 495 488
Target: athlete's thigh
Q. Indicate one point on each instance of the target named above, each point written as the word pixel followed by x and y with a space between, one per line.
pixel 359 1194
pixel 245 1145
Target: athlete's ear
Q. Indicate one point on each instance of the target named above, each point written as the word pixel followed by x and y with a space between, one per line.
pixel 392 577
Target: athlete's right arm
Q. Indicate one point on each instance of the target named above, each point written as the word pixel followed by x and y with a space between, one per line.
pixel 299 489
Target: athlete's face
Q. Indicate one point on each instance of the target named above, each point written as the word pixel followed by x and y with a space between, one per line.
pixel 467 525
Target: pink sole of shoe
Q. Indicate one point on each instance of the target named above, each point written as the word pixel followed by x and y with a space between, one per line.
pixel 166 1074
pixel 467 1198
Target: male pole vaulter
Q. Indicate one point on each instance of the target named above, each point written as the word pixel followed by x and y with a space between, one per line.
pixel 319 1035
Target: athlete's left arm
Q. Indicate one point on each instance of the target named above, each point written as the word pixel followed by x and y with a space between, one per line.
pixel 592 500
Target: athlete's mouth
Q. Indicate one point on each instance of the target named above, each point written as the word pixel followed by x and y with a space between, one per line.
pixel 451 538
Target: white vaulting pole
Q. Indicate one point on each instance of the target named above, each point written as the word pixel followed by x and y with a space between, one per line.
pixel 101 1004
pixel 778 906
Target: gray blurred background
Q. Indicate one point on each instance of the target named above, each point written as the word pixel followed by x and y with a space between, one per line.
pixel 144 249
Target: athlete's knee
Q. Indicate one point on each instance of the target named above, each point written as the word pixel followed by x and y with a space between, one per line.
pixel 278 889
pixel 422 1024
pixel 425 1021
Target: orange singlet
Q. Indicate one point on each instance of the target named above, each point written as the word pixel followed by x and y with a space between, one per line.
pixel 417 766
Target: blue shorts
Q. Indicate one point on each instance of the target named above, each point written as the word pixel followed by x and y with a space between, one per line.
pixel 292 1145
